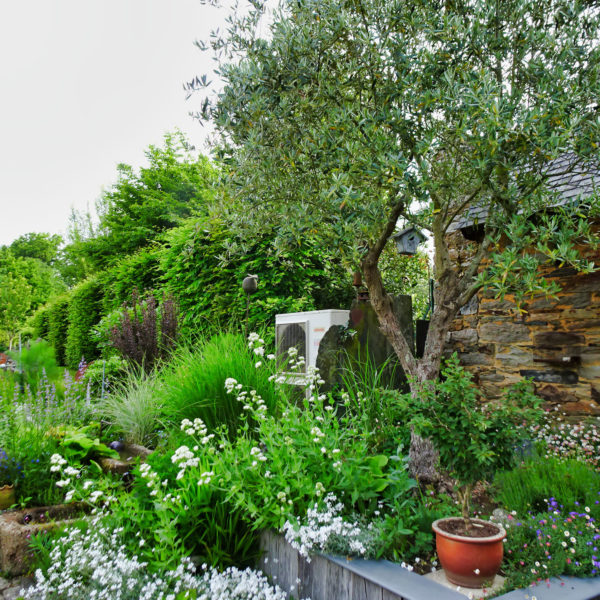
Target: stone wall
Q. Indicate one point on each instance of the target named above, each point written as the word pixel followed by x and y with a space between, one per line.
pixel 556 342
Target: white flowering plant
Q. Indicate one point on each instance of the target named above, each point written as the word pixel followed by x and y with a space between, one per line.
pixel 95 563
pixel 178 506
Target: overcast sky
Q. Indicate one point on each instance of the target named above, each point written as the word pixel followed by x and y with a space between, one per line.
pixel 85 85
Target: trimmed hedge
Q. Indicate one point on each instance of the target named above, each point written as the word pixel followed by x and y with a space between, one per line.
pixel 84 313
pixel 139 271
pixel 205 276
pixel 58 317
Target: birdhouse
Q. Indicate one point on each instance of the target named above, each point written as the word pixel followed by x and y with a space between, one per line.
pixel 408 240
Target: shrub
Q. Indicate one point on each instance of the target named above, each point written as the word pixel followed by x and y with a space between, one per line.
pixel 144 334
pixel 204 264
pixel 108 371
pixel 84 314
pixel 474 440
pixel 40 322
pixel 138 271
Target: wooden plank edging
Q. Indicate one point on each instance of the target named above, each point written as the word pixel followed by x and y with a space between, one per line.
pixel 328 577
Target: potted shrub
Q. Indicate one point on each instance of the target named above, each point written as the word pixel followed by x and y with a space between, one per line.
pixel 474 440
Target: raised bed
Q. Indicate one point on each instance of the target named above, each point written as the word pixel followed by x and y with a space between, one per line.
pixel 19 526
pixel 335 578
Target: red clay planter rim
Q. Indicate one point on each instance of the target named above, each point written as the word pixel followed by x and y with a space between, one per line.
pixel 475 540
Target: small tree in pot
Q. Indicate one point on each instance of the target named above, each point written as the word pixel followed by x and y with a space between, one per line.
pixel 474 440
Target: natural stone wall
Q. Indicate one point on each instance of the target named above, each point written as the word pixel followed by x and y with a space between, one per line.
pixel 555 342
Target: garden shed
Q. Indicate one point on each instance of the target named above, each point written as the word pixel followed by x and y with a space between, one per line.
pixel 556 342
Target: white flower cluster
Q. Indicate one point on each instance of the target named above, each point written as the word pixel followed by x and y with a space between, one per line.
pixel 321 526
pixel 94 565
pixel 252 400
pixel 57 465
pixel 198 428
pixel 183 457
pixel 257 454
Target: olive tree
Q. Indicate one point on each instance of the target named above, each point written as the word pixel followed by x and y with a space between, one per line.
pixel 345 119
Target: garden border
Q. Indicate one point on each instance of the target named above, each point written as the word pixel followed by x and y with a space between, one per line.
pixel 328 577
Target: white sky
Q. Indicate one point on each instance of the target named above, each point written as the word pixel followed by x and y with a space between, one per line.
pixel 85 85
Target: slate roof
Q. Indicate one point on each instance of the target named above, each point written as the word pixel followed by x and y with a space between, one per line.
pixel 570 183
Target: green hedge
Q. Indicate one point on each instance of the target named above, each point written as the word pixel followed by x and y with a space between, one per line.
pixel 40 322
pixel 139 270
pixel 204 273
pixel 84 313
pixel 58 327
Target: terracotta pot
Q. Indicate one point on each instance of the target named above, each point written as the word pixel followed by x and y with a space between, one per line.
pixel 7 496
pixel 469 561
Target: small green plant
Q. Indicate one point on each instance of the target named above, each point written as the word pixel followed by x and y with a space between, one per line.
pixel 528 486
pixel 474 440
pixel 81 444
pixel 134 407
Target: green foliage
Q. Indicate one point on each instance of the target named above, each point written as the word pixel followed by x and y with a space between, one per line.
pixel 40 322
pixel 134 407
pixel 142 205
pixel 84 314
pixel 193 384
pixel 474 440
pixel 528 487
pixel 58 326
pixel 41 246
pixel 205 262
pixel 185 517
pixel 406 275
pixel 79 445
pixel 365 395
pixel 112 370
pixel 280 465
pixel 137 271
pixel 36 359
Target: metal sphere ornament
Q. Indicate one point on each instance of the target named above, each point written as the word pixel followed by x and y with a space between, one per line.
pixel 250 284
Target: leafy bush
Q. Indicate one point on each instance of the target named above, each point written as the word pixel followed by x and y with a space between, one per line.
pixel 144 334
pixel 40 322
pixel 138 271
pixel 108 371
pixel 84 314
pixel 474 440
pixel 528 487
pixel 193 384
